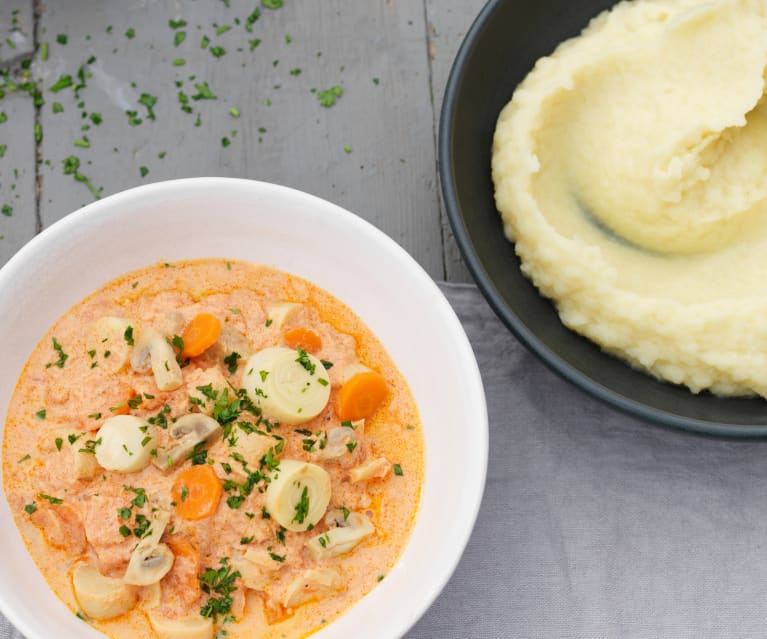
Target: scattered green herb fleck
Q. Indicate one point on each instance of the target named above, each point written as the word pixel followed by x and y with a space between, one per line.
pixel 63 357
pixel 231 362
pixel 397 470
pixel 130 33
pixel 62 38
pixel 328 97
pixel 143 170
pixel 234 112
pixel 41 413
pixel 179 62
pixel 26 457
pixel 30 508
pixel 272 4
pixel 59 441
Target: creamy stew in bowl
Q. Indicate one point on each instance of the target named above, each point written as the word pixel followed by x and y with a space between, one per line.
pixel 212 448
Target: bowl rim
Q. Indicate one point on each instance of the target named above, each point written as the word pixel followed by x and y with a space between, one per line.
pixel 463 530
pixel 475 265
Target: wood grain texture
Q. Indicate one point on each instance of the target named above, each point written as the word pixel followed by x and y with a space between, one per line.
pixel 16 30
pixel 386 173
pixel 17 144
pixel 447 23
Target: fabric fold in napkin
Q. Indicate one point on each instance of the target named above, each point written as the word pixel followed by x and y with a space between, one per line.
pixel 595 524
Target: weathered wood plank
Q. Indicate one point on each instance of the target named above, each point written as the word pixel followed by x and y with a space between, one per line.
pixel 448 23
pixel 371 152
pixel 16 30
pixel 17 120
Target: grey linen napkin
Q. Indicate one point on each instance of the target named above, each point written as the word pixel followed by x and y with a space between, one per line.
pixel 595 524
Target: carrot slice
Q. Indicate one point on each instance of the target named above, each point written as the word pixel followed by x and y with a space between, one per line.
pixel 201 333
pixel 124 408
pixel 361 396
pixel 196 492
pixel 302 338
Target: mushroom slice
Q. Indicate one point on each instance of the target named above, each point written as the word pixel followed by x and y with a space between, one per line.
pixel 337 541
pixel 376 468
pixel 101 597
pixel 150 560
pixel 189 628
pixel 153 351
pixel 186 432
pixel 312 584
pixel 278 314
pixel 148 564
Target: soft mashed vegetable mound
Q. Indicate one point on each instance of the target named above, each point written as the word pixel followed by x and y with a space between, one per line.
pixel 631 172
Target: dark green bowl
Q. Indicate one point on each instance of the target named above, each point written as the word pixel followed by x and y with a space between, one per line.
pixel 499 50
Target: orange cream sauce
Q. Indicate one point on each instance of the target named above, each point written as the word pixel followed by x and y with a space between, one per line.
pixel 55 400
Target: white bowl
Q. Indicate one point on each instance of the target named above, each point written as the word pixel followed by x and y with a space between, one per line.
pixel 299 233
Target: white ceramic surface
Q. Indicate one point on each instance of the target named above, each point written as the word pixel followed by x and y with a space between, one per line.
pixel 269 224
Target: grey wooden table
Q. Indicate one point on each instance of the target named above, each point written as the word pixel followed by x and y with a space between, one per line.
pixel 124 88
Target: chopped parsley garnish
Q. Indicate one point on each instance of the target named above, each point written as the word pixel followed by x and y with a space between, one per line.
pixel 30 508
pixel 302 507
pixel 90 446
pixel 303 359
pixel 272 4
pixel 276 557
pixel 143 171
pixel 41 413
pixel 176 24
pixel 322 382
pixel 348 424
pixel 148 101
pixel 128 336
pixel 184 493
pixel 234 112
pixel 25 458
pixel 246 540
pixel 50 499
pixel 397 470
pixel 63 82
pixel 62 38
pixel 63 357
pixel 328 97
pixel 59 441
pixel 179 37
pixel 204 92
pixel 199 454
pixel 125 531
pixel 219 584
pixel 72 167
pixel 326 364
pixel 351 446
pixel 234 501
pixel 231 362
pixel 130 33
pixel 346 512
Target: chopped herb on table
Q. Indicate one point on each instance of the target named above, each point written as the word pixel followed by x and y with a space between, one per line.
pixel 328 97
